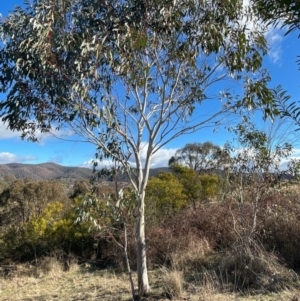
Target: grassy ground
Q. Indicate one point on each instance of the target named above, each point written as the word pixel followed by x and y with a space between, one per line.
pixel 50 283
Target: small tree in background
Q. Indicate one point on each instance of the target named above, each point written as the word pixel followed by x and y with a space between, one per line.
pixel 254 174
pixel 254 171
pixel 111 214
pixel 189 178
pixel 201 157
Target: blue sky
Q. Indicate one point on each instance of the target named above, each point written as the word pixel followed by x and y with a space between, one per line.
pixel 281 63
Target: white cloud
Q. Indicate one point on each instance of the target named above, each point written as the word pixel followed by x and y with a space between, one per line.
pixel 101 164
pixel 159 159
pixel 6 157
pixel 274 36
pixel 6 133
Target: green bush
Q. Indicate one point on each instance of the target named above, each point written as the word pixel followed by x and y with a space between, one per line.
pixel 209 185
pixel 189 178
pixel 24 199
pixel 165 193
pixel 197 186
pixel 54 229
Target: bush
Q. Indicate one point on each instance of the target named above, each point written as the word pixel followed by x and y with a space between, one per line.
pixel 24 199
pixel 189 178
pixel 53 229
pixel 280 227
pixel 188 238
pixel 164 194
pixel 197 186
pixel 248 265
pixel 209 185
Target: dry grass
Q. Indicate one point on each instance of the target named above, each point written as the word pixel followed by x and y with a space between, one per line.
pixel 249 266
pixel 196 252
pixel 85 283
pixel 81 283
pixel 172 282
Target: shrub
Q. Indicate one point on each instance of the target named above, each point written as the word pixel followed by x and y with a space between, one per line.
pixel 189 178
pixel 191 237
pixel 209 185
pixel 24 199
pixel 197 186
pixel 53 229
pixel 248 265
pixel 280 227
pixel 164 193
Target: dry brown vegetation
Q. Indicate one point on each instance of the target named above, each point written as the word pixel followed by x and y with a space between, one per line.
pixel 202 251
pixel 50 282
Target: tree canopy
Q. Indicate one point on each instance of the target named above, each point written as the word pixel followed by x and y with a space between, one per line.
pixel 198 156
pixel 88 64
pixel 284 14
pixel 280 12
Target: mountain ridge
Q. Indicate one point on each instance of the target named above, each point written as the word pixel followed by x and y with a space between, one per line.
pixel 52 171
pixel 44 171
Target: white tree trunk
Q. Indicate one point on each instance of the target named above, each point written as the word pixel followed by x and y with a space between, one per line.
pixel 143 283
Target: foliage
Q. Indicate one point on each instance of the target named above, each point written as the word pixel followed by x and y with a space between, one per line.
pixel 280 225
pixel 9 178
pixel 37 227
pixel 190 180
pixel 165 193
pixel 3 185
pixel 253 174
pixel 109 215
pixel 197 186
pixel 107 210
pixel 24 199
pixel 254 156
pixel 286 107
pixel 280 12
pixel 62 71
pixel 198 156
pixel 209 185
pixel 52 230
pixel 293 169
pixel 80 188
pixel 285 14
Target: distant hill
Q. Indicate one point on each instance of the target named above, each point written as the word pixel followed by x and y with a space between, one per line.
pixel 49 171
pixel 44 171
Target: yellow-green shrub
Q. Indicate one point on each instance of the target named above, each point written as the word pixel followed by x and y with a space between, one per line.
pixel 38 227
pixel 189 179
pixel 54 229
pixel 209 185
pixel 165 193
pixel 197 186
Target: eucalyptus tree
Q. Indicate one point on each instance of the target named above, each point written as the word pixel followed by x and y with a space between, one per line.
pixel 130 76
pixel 284 14
pixel 280 12
pixel 198 156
